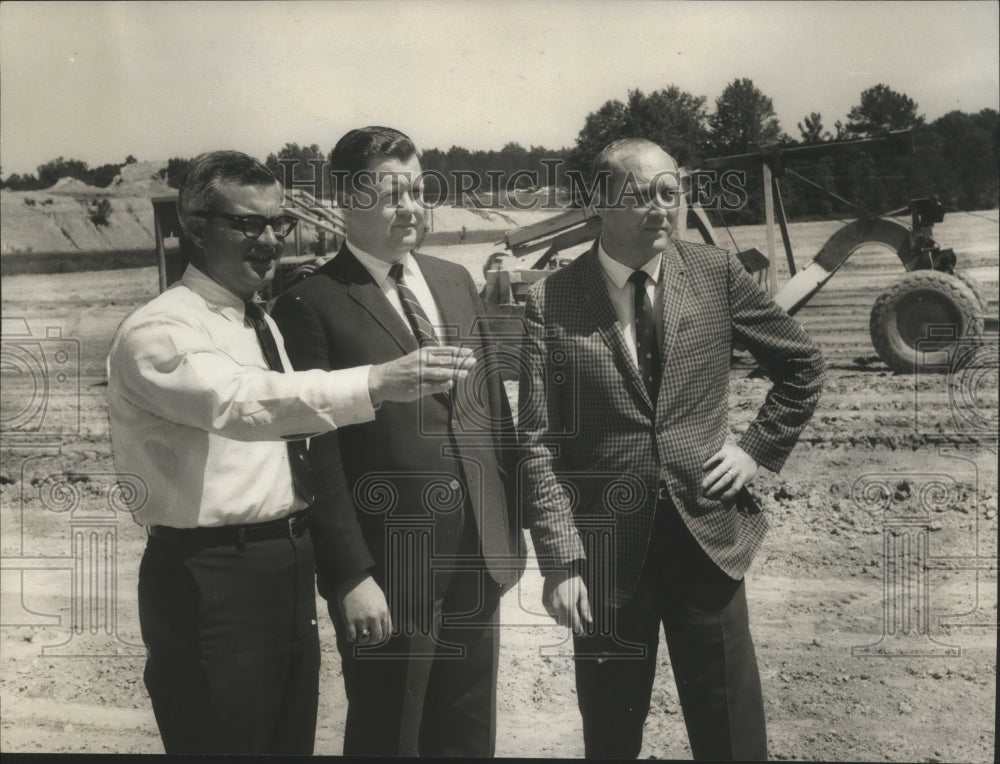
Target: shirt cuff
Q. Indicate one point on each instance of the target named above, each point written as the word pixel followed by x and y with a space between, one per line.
pixel 352 385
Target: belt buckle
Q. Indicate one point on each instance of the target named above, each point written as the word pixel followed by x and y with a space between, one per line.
pixel 295 522
pixel 662 494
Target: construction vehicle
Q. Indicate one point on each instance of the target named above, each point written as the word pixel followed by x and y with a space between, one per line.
pixel 931 301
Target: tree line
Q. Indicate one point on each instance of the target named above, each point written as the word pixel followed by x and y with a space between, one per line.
pixel 55 169
pixel 955 157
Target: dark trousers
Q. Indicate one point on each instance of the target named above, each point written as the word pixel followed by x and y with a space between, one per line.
pixel 233 647
pixel 704 617
pixel 428 691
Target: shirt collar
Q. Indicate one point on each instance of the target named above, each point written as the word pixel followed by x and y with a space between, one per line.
pixel 619 272
pixel 378 268
pixel 218 298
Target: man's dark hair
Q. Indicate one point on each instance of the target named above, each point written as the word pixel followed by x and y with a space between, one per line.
pixel 355 149
pixel 207 171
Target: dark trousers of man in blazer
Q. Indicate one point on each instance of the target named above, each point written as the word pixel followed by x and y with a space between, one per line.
pixel 612 488
pixel 418 499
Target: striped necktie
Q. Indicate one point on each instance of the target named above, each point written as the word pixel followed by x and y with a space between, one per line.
pixel 419 323
pixel 298 457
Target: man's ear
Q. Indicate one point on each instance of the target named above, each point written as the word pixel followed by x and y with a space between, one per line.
pixel 195 230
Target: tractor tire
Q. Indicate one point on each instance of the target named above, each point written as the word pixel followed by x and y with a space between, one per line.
pixel 903 314
pixel 976 289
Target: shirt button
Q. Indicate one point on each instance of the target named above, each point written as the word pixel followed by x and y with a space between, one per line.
pixel 453 485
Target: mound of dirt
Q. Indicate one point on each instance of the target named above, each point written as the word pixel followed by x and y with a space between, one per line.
pixel 73 186
pixel 70 221
pixel 140 179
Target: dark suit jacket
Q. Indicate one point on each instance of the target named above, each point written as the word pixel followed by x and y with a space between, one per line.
pixel 416 462
pixel 596 446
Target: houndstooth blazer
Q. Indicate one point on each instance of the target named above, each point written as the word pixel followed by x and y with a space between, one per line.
pixel 596 449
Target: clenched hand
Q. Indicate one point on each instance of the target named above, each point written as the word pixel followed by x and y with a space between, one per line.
pixel 364 609
pixel 565 598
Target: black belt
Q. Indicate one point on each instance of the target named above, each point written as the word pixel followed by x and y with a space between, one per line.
pixel 291 526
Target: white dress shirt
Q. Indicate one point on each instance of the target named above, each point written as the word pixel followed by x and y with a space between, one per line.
pixel 197 417
pixel 622 294
pixel 379 269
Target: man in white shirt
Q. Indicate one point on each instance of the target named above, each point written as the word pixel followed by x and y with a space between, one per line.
pixel 415 534
pixel 206 410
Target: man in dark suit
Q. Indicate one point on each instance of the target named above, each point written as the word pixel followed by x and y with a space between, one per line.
pixel 415 538
pixel 636 502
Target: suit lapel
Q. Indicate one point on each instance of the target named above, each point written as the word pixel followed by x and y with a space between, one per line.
pixel 446 293
pixel 603 312
pixel 449 296
pixel 361 288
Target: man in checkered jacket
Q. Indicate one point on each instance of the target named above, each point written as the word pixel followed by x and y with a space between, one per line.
pixel 636 501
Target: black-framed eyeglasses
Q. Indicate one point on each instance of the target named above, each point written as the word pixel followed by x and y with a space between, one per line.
pixel 253 226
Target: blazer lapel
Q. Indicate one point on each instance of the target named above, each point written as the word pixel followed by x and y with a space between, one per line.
pixel 361 288
pixel 675 285
pixel 603 312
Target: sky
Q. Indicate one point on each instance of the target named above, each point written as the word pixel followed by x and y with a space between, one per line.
pixel 100 80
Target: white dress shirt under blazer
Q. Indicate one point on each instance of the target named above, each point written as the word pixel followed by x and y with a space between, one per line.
pixel 622 293
pixel 379 269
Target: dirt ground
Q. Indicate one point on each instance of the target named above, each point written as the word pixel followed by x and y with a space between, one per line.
pixel 873 601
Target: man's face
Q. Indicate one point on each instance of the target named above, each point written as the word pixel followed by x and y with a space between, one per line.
pixel 242 264
pixel 384 218
pixel 640 213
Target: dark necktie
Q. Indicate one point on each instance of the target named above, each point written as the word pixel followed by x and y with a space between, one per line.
pixel 298 457
pixel 646 349
pixel 419 323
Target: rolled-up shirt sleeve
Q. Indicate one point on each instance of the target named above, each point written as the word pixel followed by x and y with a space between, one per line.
pixel 177 372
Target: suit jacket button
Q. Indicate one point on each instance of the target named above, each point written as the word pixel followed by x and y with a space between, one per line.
pixel 453 485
